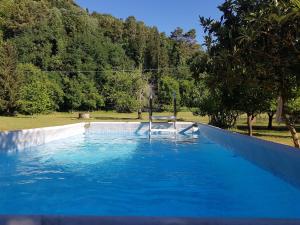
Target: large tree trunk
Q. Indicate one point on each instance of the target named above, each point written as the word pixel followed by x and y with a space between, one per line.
pixel 250 119
pixel 140 116
pixel 293 131
pixel 290 125
pixel 295 136
pixel 270 124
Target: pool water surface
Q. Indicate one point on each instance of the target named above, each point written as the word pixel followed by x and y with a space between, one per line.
pixel 129 175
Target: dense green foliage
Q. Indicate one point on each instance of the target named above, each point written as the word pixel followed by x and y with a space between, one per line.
pixel 9 78
pixel 253 58
pixel 36 93
pixel 124 91
pixel 69 59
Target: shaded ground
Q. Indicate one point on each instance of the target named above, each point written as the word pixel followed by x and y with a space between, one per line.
pixel 279 133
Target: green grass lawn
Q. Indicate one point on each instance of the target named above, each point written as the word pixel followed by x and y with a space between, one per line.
pixel 26 122
pixel 280 134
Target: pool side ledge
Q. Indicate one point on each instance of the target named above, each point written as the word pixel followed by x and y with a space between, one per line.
pixel 63 220
pixel 22 139
pixel 281 160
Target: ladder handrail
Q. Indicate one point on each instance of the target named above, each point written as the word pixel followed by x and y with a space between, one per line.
pixel 151 117
pixel 150 114
pixel 175 105
pixel 150 110
pixel 163 117
pixel 175 110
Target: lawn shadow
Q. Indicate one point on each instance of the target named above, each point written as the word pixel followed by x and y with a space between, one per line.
pixel 271 135
pixel 257 127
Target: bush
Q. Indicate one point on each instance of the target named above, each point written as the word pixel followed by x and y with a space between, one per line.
pixel 82 94
pixel 124 91
pixel 213 105
pixel 37 92
pixel 126 103
pixel 167 88
pixel 35 98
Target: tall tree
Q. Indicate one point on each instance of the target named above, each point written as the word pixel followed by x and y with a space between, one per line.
pixel 35 93
pixel 125 91
pixel 259 40
pixel 275 45
pixel 135 37
pixel 10 80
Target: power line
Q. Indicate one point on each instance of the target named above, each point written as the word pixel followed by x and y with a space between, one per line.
pixel 115 70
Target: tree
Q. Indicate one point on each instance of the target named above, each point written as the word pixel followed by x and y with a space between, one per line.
pixel 91 99
pixel 35 98
pixel 111 26
pixel 135 39
pixel 257 40
pixel 271 111
pixel 275 46
pixel 292 115
pixel 19 15
pixel 73 94
pixel 252 100
pixel 35 93
pixel 184 46
pixel 168 87
pixel 81 94
pixel 212 103
pixel 189 93
pixel 10 80
pixel 124 91
pixel 45 46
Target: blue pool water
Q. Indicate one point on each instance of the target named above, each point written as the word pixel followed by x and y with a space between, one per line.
pixel 126 175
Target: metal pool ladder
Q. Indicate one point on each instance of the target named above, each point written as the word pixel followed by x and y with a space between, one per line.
pixel 173 118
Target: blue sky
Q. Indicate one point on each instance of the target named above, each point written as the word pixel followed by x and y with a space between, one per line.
pixel 165 14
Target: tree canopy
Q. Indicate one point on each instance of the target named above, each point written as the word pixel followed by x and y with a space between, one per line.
pixel 253 58
pixel 87 61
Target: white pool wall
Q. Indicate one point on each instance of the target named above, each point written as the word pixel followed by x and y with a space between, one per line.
pixel 281 160
pixel 21 139
pixel 135 127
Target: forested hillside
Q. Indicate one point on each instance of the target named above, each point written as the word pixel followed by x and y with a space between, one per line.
pixel 56 56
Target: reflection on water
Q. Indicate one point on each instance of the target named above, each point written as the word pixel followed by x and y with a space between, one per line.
pixel 132 175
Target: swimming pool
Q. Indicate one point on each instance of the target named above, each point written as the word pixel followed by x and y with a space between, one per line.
pixel 125 174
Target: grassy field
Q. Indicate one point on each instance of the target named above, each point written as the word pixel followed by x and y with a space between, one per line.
pixel 279 134
pixel 55 119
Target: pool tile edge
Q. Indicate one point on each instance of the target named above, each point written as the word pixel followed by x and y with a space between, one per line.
pixel 64 220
